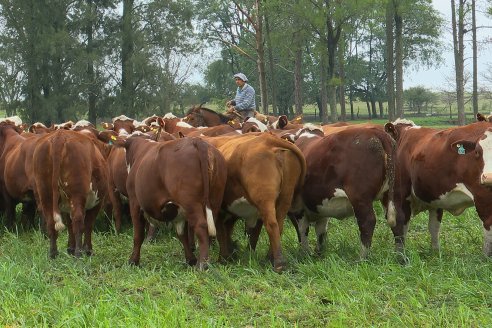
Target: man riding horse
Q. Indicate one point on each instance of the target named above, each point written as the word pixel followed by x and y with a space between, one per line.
pixel 244 102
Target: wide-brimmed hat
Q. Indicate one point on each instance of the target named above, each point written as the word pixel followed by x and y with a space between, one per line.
pixel 241 76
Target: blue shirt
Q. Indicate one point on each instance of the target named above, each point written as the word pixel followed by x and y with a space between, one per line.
pixel 245 98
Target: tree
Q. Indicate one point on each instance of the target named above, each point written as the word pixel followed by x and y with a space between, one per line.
pixel 458 46
pixel 418 98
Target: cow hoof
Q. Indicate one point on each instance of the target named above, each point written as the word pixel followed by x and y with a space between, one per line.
pixel 192 262
pixel 202 266
pixel 133 262
pixel 279 268
pixel 53 254
pixel 71 251
pixel 403 259
pixel 89 252
pixel 77 253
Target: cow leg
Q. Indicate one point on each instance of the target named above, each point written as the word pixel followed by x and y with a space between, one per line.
pixel 90 219
pixel 198 223
pixel 53 235
pixel 115 203
pixel 222 238
pixel 71 236
pixel 254 234
pixel 183 236
pixel 138 222
pixel 320 228
pixel 151 231
pixel 9 211
pixel 366 219
pixel 273 228
pixel 435 217
pixel 77 216
pixel 303 225
pixel 294 218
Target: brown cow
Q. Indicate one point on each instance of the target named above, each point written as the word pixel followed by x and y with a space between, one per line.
pixel 16 172
pixel 181 181
pixel 70 181
pixel 263 173
pixel 337 184
pixel 442 169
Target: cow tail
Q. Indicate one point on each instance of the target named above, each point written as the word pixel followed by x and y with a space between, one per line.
pixel 203 156
pixel 390 149
pixel 57 148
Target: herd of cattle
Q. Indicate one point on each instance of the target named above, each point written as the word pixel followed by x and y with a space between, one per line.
pixel 204 178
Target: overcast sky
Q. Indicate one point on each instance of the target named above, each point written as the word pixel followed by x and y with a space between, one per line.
pixel 437 78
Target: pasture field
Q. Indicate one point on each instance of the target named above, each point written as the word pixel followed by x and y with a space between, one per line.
pixel 445 289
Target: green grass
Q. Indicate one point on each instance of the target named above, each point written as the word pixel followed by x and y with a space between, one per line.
pixel 450 288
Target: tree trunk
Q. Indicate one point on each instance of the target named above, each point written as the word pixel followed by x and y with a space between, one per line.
pixel 323 89
pixel 475 64
pixel 458 34
pixel 341 71
pixel 260 61
pixel 390 84
pixel 90 65
pixel 399 63
pixel 127 49
pixel 273 83
pixel 381 109
pixel 351 99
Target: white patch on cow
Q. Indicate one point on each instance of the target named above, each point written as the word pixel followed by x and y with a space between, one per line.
pixel 182 124
pixel 487 242
pixel 92 200
pixel 122 133
pixel 405 121
pixel 82 124
pixel 13 119
pixel 275 124
pixel 338 206
pixel 260 125
pixel 39 125
pixel 391 214
pixel 137 133
pixel 210 222
pixel 486 144
pixel 312 127
pixel 169 116
pixel 307 134
pixel 454 201
pixel 122 118
pixel 384 188
pixel 434 226
pixel 59 226
pixel 242 208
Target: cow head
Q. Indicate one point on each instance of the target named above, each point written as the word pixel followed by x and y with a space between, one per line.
pixel 484 118
pixel 481 149
pixel 394 128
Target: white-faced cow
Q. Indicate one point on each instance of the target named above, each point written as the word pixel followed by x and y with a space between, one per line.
pixel 442 169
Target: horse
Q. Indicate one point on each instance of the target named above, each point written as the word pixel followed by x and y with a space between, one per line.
pixel 202 116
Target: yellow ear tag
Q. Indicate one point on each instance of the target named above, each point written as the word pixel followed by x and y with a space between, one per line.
pixel 113 138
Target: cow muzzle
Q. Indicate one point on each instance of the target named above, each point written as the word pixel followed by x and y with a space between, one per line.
pixel 486 179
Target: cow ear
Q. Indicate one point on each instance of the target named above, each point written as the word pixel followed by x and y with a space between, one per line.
pixel 107 126
pixel 463 147
pixel 481 117
pixel 282 121
pixel 181 134
pixel 160 122
pixel 391 130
